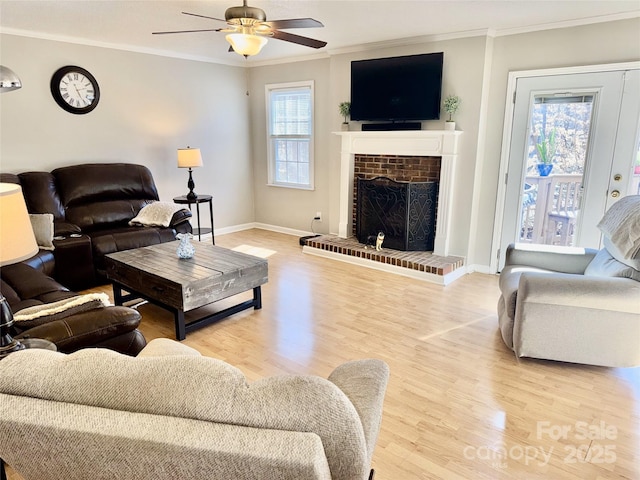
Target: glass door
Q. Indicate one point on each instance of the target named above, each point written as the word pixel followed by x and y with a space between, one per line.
pixel 556 155
pixel 574 142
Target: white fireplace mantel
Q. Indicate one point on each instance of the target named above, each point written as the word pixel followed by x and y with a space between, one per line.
pixel 426 143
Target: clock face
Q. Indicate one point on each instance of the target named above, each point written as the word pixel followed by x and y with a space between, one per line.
pixel 75 89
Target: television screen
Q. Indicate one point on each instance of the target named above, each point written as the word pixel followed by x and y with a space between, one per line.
pixel 397 88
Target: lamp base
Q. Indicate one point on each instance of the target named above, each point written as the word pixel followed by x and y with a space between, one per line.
pixel 13 346
pixel 7 343
pixel 191 185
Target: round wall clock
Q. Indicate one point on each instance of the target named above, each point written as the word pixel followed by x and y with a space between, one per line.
pixel 75 89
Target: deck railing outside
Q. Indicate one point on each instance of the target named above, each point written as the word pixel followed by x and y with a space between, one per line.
pixel 550 208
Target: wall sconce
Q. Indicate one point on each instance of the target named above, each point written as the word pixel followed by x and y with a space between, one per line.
pixel 8 80
pixel 190 158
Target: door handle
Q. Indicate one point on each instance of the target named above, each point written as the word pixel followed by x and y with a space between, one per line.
pixel 615 194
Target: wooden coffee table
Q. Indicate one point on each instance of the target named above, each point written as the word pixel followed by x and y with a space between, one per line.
pixel 156 274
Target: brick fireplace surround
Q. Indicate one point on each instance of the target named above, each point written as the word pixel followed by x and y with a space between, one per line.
pixel 396 167
pixel 423 155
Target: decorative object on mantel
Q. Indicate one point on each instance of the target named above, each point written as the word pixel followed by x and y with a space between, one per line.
pixel 451 106
pixel 190 158
pixel 345 110
pixel 17 243
pixel 8 80
pixel 185 248
pixel 546 150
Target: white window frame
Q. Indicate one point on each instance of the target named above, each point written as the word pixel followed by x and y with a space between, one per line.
pixel 269 88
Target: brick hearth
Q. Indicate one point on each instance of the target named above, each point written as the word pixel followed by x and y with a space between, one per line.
pixel 417 261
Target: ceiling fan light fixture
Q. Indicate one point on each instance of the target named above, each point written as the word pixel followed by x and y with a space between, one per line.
pixel 246 44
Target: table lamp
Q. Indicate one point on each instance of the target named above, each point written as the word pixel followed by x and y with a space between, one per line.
pixel 190 158
pixel 17 243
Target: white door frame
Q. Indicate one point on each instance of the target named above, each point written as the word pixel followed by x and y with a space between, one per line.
pixel 506 135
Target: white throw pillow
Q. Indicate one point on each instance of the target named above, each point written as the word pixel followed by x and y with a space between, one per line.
pixel 42 225
pixel 156 214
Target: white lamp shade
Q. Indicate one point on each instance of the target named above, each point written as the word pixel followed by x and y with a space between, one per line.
pixel 245 44
pixel 189 158
pixel 17 241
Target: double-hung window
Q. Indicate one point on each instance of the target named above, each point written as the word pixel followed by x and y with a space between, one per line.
pixel 290 134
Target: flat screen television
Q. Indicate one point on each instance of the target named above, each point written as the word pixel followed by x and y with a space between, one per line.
pixel 397 88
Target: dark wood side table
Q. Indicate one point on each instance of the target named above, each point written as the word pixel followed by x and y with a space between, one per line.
pixel 183 200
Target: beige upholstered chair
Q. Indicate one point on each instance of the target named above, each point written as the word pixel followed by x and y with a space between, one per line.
pixel 170 413
pixel 577 305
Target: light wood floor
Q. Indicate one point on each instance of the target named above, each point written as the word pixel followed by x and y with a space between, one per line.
pixel 459 404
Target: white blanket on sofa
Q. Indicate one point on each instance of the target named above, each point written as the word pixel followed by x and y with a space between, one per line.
pixel 156 214
pixel 63 308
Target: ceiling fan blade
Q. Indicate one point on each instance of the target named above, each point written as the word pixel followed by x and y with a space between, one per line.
pixel 294 23
pixel 204 16
pixel 187 31
pixel 290 37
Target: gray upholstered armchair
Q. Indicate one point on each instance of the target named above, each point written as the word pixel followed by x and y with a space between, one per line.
pixel 170 413
pixel 577 305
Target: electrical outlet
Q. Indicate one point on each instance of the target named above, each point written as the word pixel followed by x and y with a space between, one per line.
pixel 318 216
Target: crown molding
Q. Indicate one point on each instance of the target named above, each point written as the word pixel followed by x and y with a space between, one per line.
pixel 114 46
pixel 401 42
pixel 568 23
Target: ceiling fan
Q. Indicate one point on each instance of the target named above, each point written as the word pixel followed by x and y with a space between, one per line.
pixel 247 29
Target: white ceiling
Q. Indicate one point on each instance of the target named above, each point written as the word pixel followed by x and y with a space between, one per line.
pixel 349 24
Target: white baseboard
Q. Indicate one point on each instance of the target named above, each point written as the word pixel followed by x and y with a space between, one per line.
pixel 285 230
pixel 262 226
pixel 480 269
pixel 235 228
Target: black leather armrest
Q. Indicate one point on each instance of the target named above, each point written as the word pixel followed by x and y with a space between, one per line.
pixel 65 228
pixel 180 216
pixel 86 329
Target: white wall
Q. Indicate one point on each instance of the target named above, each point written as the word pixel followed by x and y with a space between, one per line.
pixel 476 69
pixel 149 107
pixel 462 76
pixel 287 207
pixel 595 44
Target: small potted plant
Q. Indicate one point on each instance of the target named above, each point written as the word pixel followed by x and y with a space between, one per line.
pixel 345 110
pixel 546 150
pixel 451 106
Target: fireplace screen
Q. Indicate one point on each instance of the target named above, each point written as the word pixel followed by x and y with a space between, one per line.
pixel 404 211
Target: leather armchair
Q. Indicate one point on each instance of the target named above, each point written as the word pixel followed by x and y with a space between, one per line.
pixel 112 327
pixel 572 304
pixel 94 202
pixel 171 413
